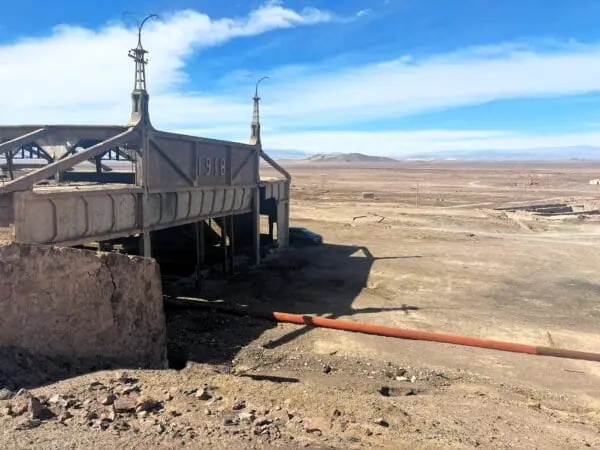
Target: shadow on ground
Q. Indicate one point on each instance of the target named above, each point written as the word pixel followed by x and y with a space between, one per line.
pixel 321 280
pixel 21 368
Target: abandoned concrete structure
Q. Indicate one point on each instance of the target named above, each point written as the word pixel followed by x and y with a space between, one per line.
pixel 173 180
pixel 92 309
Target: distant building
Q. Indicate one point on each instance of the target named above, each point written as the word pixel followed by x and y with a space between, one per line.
pixel 596 181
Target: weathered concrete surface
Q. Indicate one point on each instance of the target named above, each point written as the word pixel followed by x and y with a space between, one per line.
pixel 82 307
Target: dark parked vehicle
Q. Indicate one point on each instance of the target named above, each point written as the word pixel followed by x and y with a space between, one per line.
pixel 303 236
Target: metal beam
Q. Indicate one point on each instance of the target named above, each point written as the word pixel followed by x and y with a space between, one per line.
pixel 276 166
pixel 73 150
pixel 30 179
pixel 22 139
pixel 44 155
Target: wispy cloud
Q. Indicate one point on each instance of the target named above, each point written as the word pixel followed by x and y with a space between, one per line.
pixel 84 70
pixel 364 12
pixel 79 75
pixel 402 87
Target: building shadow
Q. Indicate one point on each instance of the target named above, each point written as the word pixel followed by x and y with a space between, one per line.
pixel 320 280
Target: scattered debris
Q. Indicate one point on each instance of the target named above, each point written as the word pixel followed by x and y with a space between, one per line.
pixel 202 394
pixel 382 422
pixel 34 407
pixel 28 424
pixel 124 404
pixel 246 417
pixel 143 403
pixel 239 404
pixel 108 399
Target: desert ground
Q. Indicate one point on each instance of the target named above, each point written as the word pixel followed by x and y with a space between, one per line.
pixel 428 250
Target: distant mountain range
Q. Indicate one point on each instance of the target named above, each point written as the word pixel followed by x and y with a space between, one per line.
pixel 581 152
pixel 348 158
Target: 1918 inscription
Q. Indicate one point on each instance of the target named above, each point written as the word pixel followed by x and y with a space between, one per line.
pixel 212 166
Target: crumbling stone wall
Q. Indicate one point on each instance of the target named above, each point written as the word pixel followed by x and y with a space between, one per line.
pixel 99 309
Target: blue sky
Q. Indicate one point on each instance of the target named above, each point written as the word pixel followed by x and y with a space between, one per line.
pixel 388 77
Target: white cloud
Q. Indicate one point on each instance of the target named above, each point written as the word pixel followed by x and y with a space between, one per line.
pixel 79 75
pixel 364 12
pixel 82 75
pixel 399 87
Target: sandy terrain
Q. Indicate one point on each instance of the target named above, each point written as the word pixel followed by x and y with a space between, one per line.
pixel 453 264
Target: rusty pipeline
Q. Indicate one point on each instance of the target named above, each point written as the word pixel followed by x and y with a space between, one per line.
pixel 379 330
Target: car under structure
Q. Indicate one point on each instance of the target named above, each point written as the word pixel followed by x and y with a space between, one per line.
pixel 163 180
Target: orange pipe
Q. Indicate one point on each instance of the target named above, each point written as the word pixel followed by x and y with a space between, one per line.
pixel 396 332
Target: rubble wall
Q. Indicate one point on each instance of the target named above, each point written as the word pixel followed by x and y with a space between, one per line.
pixel 96 309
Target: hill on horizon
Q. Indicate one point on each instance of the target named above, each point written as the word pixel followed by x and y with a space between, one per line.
pixel 569 153
pixel 348 158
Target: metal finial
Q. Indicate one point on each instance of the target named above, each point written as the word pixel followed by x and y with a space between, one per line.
pixel 141 25
pixel 256 87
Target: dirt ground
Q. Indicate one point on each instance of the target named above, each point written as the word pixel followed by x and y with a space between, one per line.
pixel 441 260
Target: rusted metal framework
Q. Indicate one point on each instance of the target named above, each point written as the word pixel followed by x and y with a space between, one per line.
pixel 169 179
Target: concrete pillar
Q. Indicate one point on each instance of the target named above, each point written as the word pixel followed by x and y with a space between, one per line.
pixel 9 164
pixel 232 244
pixel 146 245
pixel 283 224
pixel 256 225
pixel 224 244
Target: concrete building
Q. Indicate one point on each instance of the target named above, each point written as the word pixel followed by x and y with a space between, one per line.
pixel 171 180
pixel 596 181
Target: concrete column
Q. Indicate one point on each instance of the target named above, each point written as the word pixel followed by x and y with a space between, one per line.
pixel 256 225
pixel 9 165
pixel 232 244
pixel 98 161
pixel 283 224
pixel 146 245
pixel 224 244
pixel 144 199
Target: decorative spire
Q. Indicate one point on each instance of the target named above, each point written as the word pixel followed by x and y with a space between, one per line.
pixel 255 136
pixel 139 96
